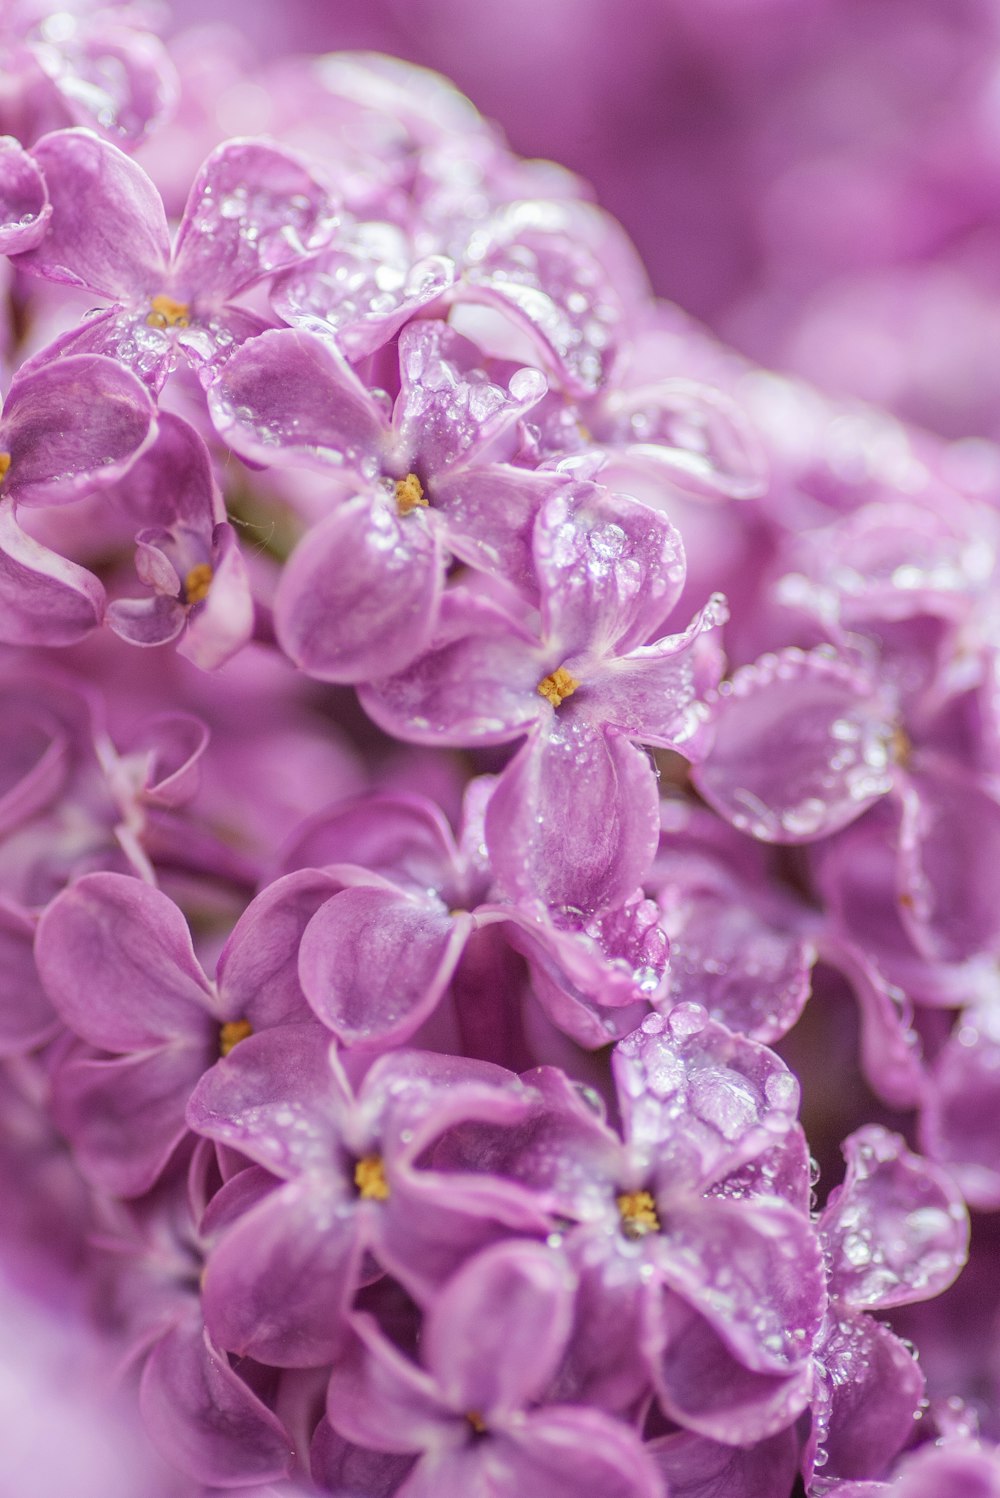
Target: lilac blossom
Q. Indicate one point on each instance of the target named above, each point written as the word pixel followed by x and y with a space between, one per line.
pixel 252 210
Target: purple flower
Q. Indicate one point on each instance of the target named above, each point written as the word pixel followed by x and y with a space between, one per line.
pixel 573 819
pixel 252 210
pixel 491 1343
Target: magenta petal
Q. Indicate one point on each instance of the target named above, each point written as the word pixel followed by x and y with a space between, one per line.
pixel 26 1015
pixel 495 1334
pixel 223 624
pixel 374 962
pixel 146 621
pixel 402 838
pixel 173 744
pixel 801 747
pixel 737 1097
pixel 204 1418
pixel 71 424
pixel 358 597
pixel 490 511
pixel 278 1283
pixel 610 569
pixel 125 1117
pixel 575 1452
pixel 897 1230
pixel 25 210
pixel 277 1099
pixel 959 1122
pixel 108 231
pixel 379 1399
pixel 695 1467
pixel 258 973
pixel 44 599
pixel 253 209
pixel 117 961
pixel 477 684
pixel 949 852
pixel 287 396
pixel 868 1392
pixel 341 1467
pixel 574 819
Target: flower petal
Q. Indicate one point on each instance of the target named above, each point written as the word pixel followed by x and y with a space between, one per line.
pixel 44 599
pixel 116 959
pixel 359 595
pixel 374 962
pixel 258 974
pixel 25 209
pixel 108 231
pixel 801 747
pixel 27 1018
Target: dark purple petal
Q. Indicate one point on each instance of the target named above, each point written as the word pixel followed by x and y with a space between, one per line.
pixel 117 961
pixel 574 819
pixel 897 1230
pixel 204 1418
pixel 108 231
pixel 867 1395
pixel 802 747
pixel 374 962
pixel 25 210
pixel 695 1467
pixel 44 599
pixel 69 425
pixel 258 972
pixel 124 1118
pixel 959 1121
pixel 358 597
pixel 278 1283
pixel 497 1331
pixel 277 1099
pixel 253 209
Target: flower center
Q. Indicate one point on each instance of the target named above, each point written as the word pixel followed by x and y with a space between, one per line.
pixel 4 465
pixel 409 494
pixel 900 746
pixel 557 686
pixel 369 1177
pixel 166 313
pixel 637 1210
pixel 231 1033
pixel 197 583
pixel 477 1422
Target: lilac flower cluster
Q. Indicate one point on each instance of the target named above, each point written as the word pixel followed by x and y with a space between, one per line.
pixel 465 737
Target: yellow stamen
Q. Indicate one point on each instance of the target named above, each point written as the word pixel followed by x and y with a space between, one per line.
pixel 476 1420
pixel 557 686
pixel 4 464
pixel 369 1177
pixel 409 494
pixel 900 746
pixel 197 583
pixel 232 1032
pixel 638 1214
pixel 166 313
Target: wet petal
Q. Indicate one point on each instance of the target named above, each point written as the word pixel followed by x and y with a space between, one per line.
pixel 117 961
pixel 574 819
pixel 897 1230
pixel 286 396
pixel 698 1100
pixel 108 232
pixel 610 570
pixel 253 209
pixel 489 513
pixel 72 424
pixel 801 747
pixel 374 962
pixel 113 78
pixel 25 209
pixel 44 599
pixel 358 597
